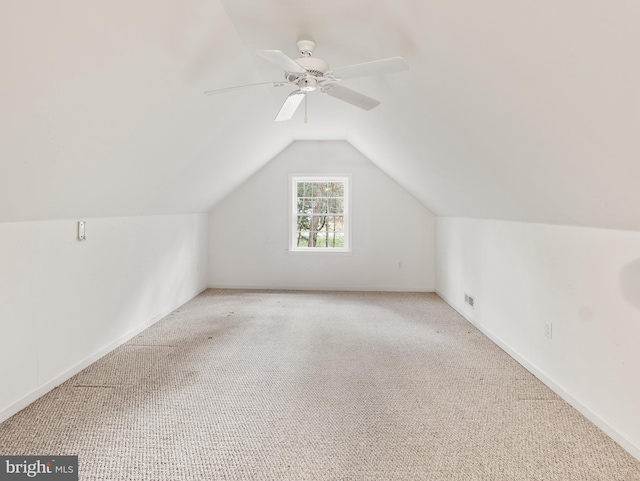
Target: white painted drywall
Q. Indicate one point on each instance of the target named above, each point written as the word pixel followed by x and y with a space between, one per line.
pixel 64 303
pixel 248 230
pixel 122 110
pixel 585 281
pixel 524 111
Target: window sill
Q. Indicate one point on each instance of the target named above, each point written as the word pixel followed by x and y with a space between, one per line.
pixel 321 252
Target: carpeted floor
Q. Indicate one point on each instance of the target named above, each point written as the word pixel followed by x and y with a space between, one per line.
pixel 250 385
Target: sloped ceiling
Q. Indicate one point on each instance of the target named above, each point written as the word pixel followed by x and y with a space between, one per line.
pixel 524 111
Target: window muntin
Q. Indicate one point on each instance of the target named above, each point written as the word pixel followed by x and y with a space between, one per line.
pixel 320 213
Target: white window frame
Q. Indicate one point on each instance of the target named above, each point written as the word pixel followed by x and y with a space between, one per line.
pixel 293 212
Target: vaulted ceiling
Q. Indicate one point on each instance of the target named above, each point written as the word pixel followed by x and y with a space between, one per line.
pixel 514 110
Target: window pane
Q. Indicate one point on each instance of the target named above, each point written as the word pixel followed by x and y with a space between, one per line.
pixel 321 239
pixel 313 240
pixel 305 206
pixel 336 206
pixel 319 205
pixel 336 240
pixel 336 224
pixel 317 222
pixel 335 189
pixel 326 189
pixel 304 223
pixel 303 239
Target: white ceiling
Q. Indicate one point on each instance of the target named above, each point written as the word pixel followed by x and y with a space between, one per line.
pixel 513 110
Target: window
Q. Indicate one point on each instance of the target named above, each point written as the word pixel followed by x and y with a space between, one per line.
pixel 319 213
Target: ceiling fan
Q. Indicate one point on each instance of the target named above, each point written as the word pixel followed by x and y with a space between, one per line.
pixel 309 74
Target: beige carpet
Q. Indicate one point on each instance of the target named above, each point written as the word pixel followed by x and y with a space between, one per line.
pixel 246 385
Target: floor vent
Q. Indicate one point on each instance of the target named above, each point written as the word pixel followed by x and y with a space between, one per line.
pixel 468 300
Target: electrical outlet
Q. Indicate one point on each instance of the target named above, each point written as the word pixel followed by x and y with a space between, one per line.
pixel 81 231
pixel 548 329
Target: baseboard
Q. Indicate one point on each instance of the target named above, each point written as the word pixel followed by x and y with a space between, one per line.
pixel 592 416
pixel 332 288
pixel 41 390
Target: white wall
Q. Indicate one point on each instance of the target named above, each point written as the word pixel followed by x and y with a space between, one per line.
pixel 64 303
pixel 248 230
pixel 585 281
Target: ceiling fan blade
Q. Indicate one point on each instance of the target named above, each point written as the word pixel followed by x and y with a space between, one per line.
pixel 350 96
pixel 228 89
pixel 290 105
pixel 377 67
pixel 282 60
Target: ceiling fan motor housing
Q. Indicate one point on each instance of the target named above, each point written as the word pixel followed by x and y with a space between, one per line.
pixel 315 66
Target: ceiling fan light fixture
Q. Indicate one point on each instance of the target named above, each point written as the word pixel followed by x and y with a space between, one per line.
pixel 308 84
